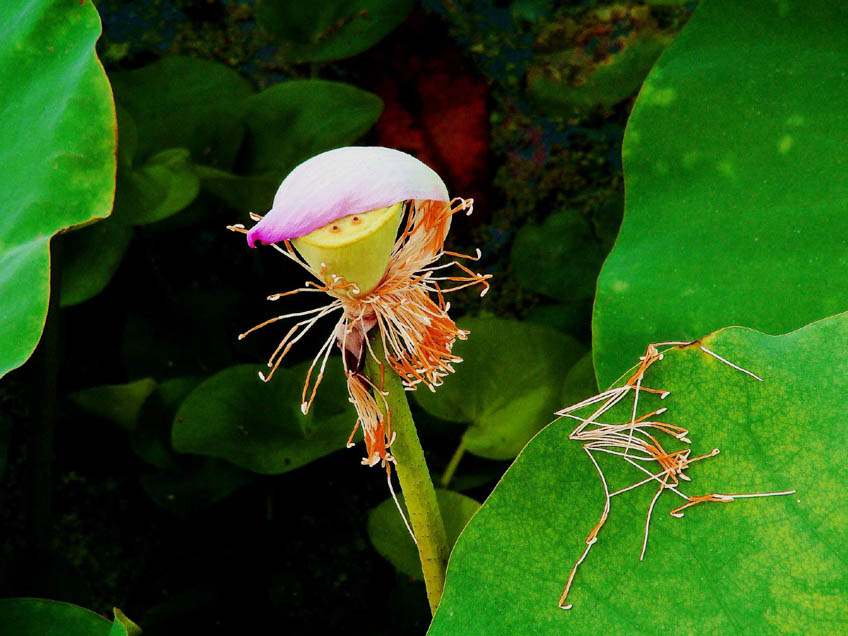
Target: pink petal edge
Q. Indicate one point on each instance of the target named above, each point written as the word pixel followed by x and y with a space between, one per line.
pixel 341 182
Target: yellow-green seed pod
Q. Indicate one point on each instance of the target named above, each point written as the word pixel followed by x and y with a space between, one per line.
pixel 356 247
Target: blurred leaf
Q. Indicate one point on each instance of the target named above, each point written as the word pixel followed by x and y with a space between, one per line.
pixel 123 626
pixel 737 205
pixel 295 120
pixel 572 317
pixel 254 193
pixel 120 403
pixel 151 437
pixel 127 138
pixel 470 479
pixel 257 425
pixel 560 258
pixel 165 184
pixel 185 102
pixel 752 566
pixel 579 381
pixel 391 539
pixel 91 257
pixel 194 484
pixel 618 77
pixel 57 149
pixel 507 386
pixel 42 617
pixel 325 30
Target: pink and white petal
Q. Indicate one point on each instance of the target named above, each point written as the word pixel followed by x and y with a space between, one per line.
pixel 344 181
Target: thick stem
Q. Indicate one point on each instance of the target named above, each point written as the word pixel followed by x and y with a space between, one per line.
pixel 418 491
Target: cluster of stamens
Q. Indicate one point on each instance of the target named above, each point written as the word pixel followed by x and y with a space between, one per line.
pixel 408 308
pixel 636 442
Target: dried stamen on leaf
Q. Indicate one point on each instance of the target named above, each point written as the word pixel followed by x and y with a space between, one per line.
pixel 635 443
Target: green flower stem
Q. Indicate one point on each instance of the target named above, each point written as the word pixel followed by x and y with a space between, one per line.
pixel 418 491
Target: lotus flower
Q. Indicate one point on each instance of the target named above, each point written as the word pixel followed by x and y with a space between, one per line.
pixel 337 215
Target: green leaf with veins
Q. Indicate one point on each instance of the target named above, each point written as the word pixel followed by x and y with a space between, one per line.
pixel 734 165
pixel 257 425
pixel 507 386
pixel 751 566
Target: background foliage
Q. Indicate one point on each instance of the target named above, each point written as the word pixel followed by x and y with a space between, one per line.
pixel 197 498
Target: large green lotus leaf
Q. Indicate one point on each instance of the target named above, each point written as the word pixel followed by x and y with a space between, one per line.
pixel 257 425
pixel 507 386
pixel 327 30
pixel 752 566
pixel 185 102
pixel 560 258
pixel 391 539
pixel 295 120
pixel 57 149
pixel 736 196
pixel 42 617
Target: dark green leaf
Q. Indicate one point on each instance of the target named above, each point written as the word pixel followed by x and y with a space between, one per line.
pixel 751 566
pixel 185 102
pixel 193 484
pixel 507 386
pixel 326 30
pixel 734 163
pixel 257 425
pixel 165 184
pixel 254 193
pixel 120 403
pixel 91 257
pixel 579 381
pixel 151 437
pixel 57 152
pixel 292 121
pixel 560 258
pixel 391 539
pixel 616 78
